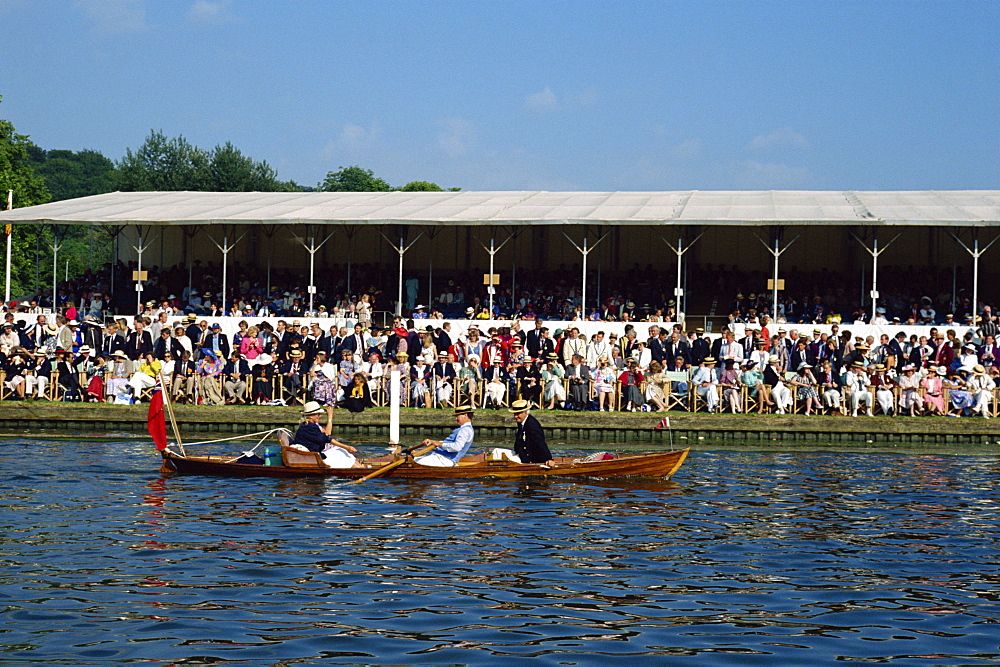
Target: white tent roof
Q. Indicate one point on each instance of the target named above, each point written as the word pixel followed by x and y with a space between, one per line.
pixel 956 207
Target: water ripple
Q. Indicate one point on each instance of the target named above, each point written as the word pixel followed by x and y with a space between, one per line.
pixel 755 558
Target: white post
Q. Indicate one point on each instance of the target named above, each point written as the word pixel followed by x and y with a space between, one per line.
pixel 874 278
pixel 975 279
pixel 583 289
pixel 312 271
pixel 55 253
pixel 678 291
pixel 489 288
pixel 394 386
pixel 66 272
pixel 774 290
pixel 225 267
pixel 399 302
pixel 138 284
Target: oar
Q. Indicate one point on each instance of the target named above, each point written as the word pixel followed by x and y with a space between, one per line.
pixel 394 464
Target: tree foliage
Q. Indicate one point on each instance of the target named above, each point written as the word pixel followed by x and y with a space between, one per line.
pixel 16 171
pixel 353 179
pixel 162 163
pixel 68 175
pixel 421 186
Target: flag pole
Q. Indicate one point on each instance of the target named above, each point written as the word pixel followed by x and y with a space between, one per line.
pixel 170 411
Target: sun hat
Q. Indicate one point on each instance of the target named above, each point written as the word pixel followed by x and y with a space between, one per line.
pixel 464 409
pixel 519 406
pixel 773 359
pixel 978 369
pixel 708 360
pixel 311 408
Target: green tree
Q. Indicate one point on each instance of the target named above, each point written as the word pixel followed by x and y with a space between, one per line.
pixel 16 171
pixel 18 174
pixel 164 164
pixel 232 171
pixel 69 175
pixel 353 179
pixel 421 186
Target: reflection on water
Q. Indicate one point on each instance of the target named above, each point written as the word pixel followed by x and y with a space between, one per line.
pixel 760 557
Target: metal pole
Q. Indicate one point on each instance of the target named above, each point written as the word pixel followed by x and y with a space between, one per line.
pixel 55 253
pixel 975 278
pixel 774 290
pixel 874 278
pixel 225 265
pixel 583 292
pixel 489 287
pixel 312 268
pixel 679 290
pixel 138 284
pixel 399 302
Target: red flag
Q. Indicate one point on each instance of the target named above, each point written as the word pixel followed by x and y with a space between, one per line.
pixel 664 423
pixel 156 423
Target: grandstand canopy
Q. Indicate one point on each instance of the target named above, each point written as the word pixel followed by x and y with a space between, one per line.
pixel 960 208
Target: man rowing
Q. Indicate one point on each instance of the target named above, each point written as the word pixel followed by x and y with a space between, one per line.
pixel 449 452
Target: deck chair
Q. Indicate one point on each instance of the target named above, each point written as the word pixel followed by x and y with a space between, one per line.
pixel 674 398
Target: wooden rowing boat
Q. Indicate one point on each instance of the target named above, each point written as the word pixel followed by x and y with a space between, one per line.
pixel 298 464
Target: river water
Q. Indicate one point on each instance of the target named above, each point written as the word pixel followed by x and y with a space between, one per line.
pixel 787 558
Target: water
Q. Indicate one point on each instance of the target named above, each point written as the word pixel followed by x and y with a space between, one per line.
pixel 745 557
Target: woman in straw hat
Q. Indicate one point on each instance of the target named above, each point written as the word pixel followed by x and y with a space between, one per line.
pixel 315 439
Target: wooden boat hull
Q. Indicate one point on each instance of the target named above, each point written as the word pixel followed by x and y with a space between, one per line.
pixel 659 464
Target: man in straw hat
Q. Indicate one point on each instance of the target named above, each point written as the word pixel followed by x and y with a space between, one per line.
pixel 449 452
pixel 310 436
pixel 529 443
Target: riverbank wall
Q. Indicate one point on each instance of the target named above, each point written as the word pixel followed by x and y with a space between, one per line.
pixel 24 418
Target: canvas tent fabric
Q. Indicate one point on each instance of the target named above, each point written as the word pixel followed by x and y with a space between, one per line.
pixel 959 208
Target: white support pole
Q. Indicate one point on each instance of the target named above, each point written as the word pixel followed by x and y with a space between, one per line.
pixel 10 237
pixel 774 284
pixel 138 284
pixel 225 248
pixel 874 294
pixel 975 280
pixel 489 288
pixel 312 249
pixel 585 250
pixel 777 252
pixel 976 254
pixel 874 251
pixel 401 249
pixel 679 289
pixel 55 253
pixel 493 250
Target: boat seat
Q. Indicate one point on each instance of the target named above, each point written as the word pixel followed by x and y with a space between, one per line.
pixel 293 458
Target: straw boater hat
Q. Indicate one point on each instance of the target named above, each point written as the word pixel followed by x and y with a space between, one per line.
pixel 979 369
pixel 311 408
pixel 879 367
pixel 119 353
pixel 773 359
pixel 402 355
pixel 464 409
pixel 708 360
pixel 518 407
pixel 298 353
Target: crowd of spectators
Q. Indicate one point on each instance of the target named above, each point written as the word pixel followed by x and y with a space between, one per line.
pixel 770 367
pixel 907 294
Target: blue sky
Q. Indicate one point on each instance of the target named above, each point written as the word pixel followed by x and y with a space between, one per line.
pixel 527 95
